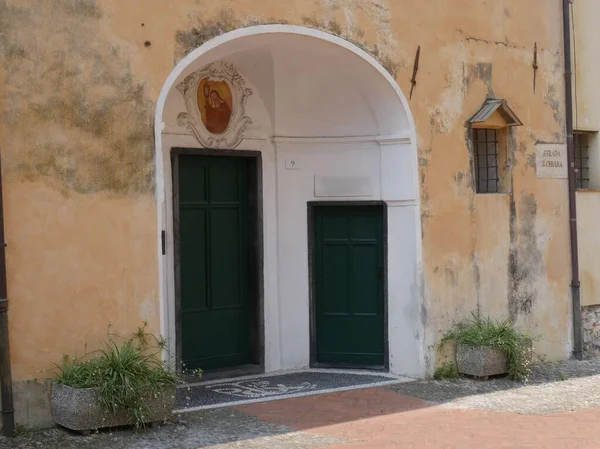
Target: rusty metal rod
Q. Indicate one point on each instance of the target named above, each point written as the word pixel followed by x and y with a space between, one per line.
pixel 575 284
pixel 8 421
pixel 8 414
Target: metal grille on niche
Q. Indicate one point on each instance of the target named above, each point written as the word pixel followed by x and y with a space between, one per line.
pixel 486 160
pixel 582 160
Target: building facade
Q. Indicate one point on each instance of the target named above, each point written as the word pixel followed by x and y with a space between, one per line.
pixel 586 122
pixel 283 184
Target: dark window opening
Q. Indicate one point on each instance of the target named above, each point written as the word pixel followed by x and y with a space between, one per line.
pixel 582 160
pixel 486 160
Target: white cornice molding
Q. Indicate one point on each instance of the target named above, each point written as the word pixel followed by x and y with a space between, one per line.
pixel 180 132
pixel 344 140
pixel 401 203
pixel 309 141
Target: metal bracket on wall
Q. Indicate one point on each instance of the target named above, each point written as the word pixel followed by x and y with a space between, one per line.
pixel 413 80
pixel 535 65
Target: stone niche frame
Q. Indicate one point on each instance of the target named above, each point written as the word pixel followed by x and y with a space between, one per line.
pixel 192 119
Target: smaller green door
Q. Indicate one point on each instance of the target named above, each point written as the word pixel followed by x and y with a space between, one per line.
pixel 348 290
pixel 213 256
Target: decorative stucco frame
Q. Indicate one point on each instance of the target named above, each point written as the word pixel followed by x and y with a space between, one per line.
pixel 191 119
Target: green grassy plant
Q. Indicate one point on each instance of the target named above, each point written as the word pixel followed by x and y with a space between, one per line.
pixel 127 373
pixel 480 331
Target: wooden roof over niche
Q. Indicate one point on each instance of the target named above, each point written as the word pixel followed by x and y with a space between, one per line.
pixel 492 107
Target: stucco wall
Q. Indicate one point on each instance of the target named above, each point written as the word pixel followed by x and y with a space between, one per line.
pixel 586 61
pixel 77 91
pixel 588 208
pixel 77 148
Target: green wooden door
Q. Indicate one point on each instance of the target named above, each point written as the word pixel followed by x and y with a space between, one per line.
pixel 348 276
pixel 213 247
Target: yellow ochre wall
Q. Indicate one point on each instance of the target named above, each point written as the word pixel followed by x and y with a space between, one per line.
pixel 78 88
pixel 586 59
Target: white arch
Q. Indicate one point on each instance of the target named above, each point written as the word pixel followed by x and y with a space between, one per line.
pixel 416 366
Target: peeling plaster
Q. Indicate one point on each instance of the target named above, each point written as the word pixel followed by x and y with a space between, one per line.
pixel 553 100
pixel 444 115
pixel 481 71
pixel 385 46
pixel 379 16
pixel 451 273
pixel 526 260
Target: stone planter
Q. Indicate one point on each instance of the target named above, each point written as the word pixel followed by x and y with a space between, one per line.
pixel 480 361
pixel 80 410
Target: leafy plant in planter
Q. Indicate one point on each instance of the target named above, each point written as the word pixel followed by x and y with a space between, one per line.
pixel 479 339
pixel 123 383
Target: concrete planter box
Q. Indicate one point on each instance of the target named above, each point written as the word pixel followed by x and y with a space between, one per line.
pixel 480 361
pixel 80 410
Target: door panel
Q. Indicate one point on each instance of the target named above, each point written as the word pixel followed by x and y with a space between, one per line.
pixel 365 279
pixel 336 286
pixel 225 254
pixel 194 255
pixel 348 265
pixel 213 257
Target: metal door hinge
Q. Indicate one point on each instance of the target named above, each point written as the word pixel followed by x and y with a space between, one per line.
pixel 163 238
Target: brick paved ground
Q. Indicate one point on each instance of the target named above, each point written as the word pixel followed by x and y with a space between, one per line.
pixel 379 418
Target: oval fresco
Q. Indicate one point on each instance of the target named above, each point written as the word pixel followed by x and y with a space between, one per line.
pixel 215 102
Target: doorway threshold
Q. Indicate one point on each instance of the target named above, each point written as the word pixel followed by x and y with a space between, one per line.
pixel 223 373
pixel 274 386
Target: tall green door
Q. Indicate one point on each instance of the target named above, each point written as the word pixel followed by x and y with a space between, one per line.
pixel 213 257
pixel 348 289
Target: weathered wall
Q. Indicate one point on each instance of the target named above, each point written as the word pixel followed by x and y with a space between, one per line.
pixel 77 88
pixel 77 151
pixel 467 265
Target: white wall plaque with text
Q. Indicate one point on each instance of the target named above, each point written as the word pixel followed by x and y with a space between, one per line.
pixel 551 161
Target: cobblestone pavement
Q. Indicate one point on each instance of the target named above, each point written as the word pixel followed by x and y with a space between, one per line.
pixel 558 408
pixel 552 388
pixel 215 429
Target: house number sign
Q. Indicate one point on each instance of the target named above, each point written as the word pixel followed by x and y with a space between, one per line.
pixel 291 164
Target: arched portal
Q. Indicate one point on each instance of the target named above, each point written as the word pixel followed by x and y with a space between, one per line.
pixel 313 158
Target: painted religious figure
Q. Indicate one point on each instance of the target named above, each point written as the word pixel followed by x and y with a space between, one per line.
pixel 215 103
